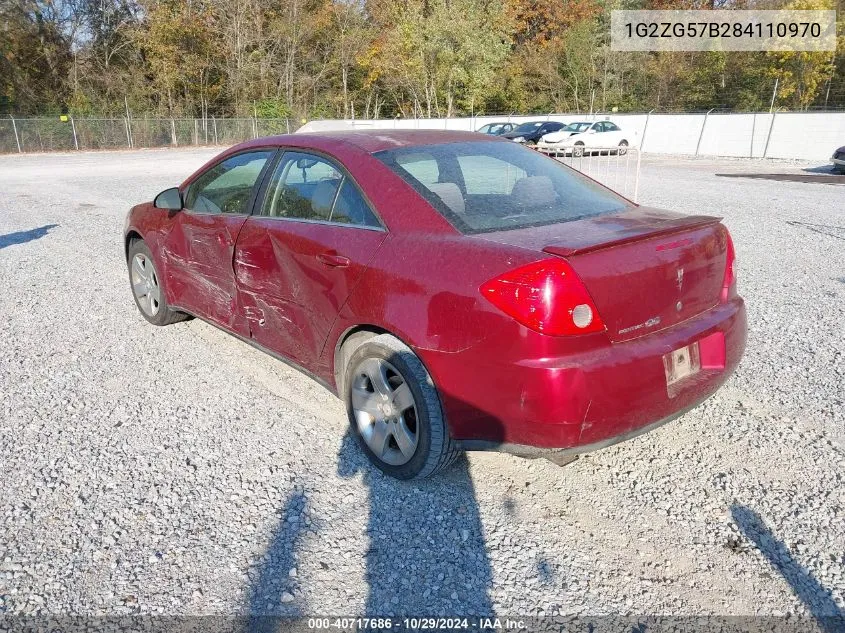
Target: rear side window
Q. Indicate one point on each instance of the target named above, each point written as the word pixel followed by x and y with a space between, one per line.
pixel 350 207
pixel 309 187
pixel 303 186
pixel 482 186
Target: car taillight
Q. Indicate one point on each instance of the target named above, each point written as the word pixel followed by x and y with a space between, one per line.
pixel 546 296
pixel 729 282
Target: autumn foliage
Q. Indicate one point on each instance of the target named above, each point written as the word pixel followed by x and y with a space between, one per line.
pixel 376 58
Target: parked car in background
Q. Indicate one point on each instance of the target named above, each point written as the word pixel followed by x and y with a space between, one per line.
pixel 583 319
pixel 838 160
pixel 578 138
pixel 496 129
pixel 530 133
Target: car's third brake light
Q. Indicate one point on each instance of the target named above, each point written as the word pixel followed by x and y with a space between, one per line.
pixel 729 283
pixel 546 296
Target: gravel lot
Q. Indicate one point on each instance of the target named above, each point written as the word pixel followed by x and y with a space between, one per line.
pixel 177 470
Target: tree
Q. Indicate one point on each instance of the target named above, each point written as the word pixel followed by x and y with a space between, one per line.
pixel 180 43
pixel 36 57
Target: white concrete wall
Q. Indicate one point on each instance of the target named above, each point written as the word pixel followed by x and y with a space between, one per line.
pixel 803 135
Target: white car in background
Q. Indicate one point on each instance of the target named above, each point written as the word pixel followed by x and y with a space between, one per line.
pixel 585 136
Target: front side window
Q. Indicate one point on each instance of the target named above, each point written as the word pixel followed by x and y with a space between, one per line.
pixel 227 187
pixel 308 187
pixel 501 186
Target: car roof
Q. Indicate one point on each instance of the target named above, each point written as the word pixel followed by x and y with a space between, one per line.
pixel 372 141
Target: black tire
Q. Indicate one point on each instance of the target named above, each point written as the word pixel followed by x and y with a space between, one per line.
pixel 578 149
pixel 164 315
pixel 623 148
pixel 435 449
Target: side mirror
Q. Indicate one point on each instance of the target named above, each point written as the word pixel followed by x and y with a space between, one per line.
pixel 169 199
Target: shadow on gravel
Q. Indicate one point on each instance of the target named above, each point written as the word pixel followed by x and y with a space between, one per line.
pixel 825 179
pixel 818 600
pixel 271 592
pixel 427 554
pixel 22 237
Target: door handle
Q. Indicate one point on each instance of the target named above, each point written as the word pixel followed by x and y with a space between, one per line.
pixel 333 259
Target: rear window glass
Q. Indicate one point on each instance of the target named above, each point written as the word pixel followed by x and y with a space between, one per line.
pixel 483 186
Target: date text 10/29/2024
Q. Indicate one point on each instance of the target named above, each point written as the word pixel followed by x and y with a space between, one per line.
pixel 416 624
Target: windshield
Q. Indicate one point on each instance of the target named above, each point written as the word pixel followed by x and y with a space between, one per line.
pixel 526 128
pixel 482 186
pixel 577 127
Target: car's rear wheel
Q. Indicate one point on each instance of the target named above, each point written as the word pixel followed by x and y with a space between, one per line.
pixel 578 150
pixel 623 148
pixel 147 286
pixel 394 409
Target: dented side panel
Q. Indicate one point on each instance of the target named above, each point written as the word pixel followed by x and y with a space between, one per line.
pixel 200 248
pixel 290 285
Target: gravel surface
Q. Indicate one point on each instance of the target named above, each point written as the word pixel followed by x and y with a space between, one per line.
pixel 176 470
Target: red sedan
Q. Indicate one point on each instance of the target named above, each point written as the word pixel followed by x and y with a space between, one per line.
pixel 458 292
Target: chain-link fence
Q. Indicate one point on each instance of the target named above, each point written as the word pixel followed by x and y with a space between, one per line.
pixel 56 134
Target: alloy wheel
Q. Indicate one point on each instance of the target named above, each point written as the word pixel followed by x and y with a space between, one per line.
pixel 385 411
pixel 145 284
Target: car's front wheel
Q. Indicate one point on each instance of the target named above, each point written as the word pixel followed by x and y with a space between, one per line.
pixel 147 286
pixel 394 409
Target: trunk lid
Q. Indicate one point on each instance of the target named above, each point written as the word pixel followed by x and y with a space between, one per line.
pixel 645 269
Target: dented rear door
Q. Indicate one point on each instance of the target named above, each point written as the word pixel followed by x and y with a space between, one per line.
pixel 299 257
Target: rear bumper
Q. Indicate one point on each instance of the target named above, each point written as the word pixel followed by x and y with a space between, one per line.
pixel 537 395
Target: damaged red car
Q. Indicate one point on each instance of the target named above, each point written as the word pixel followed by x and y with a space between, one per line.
pixel 458 292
